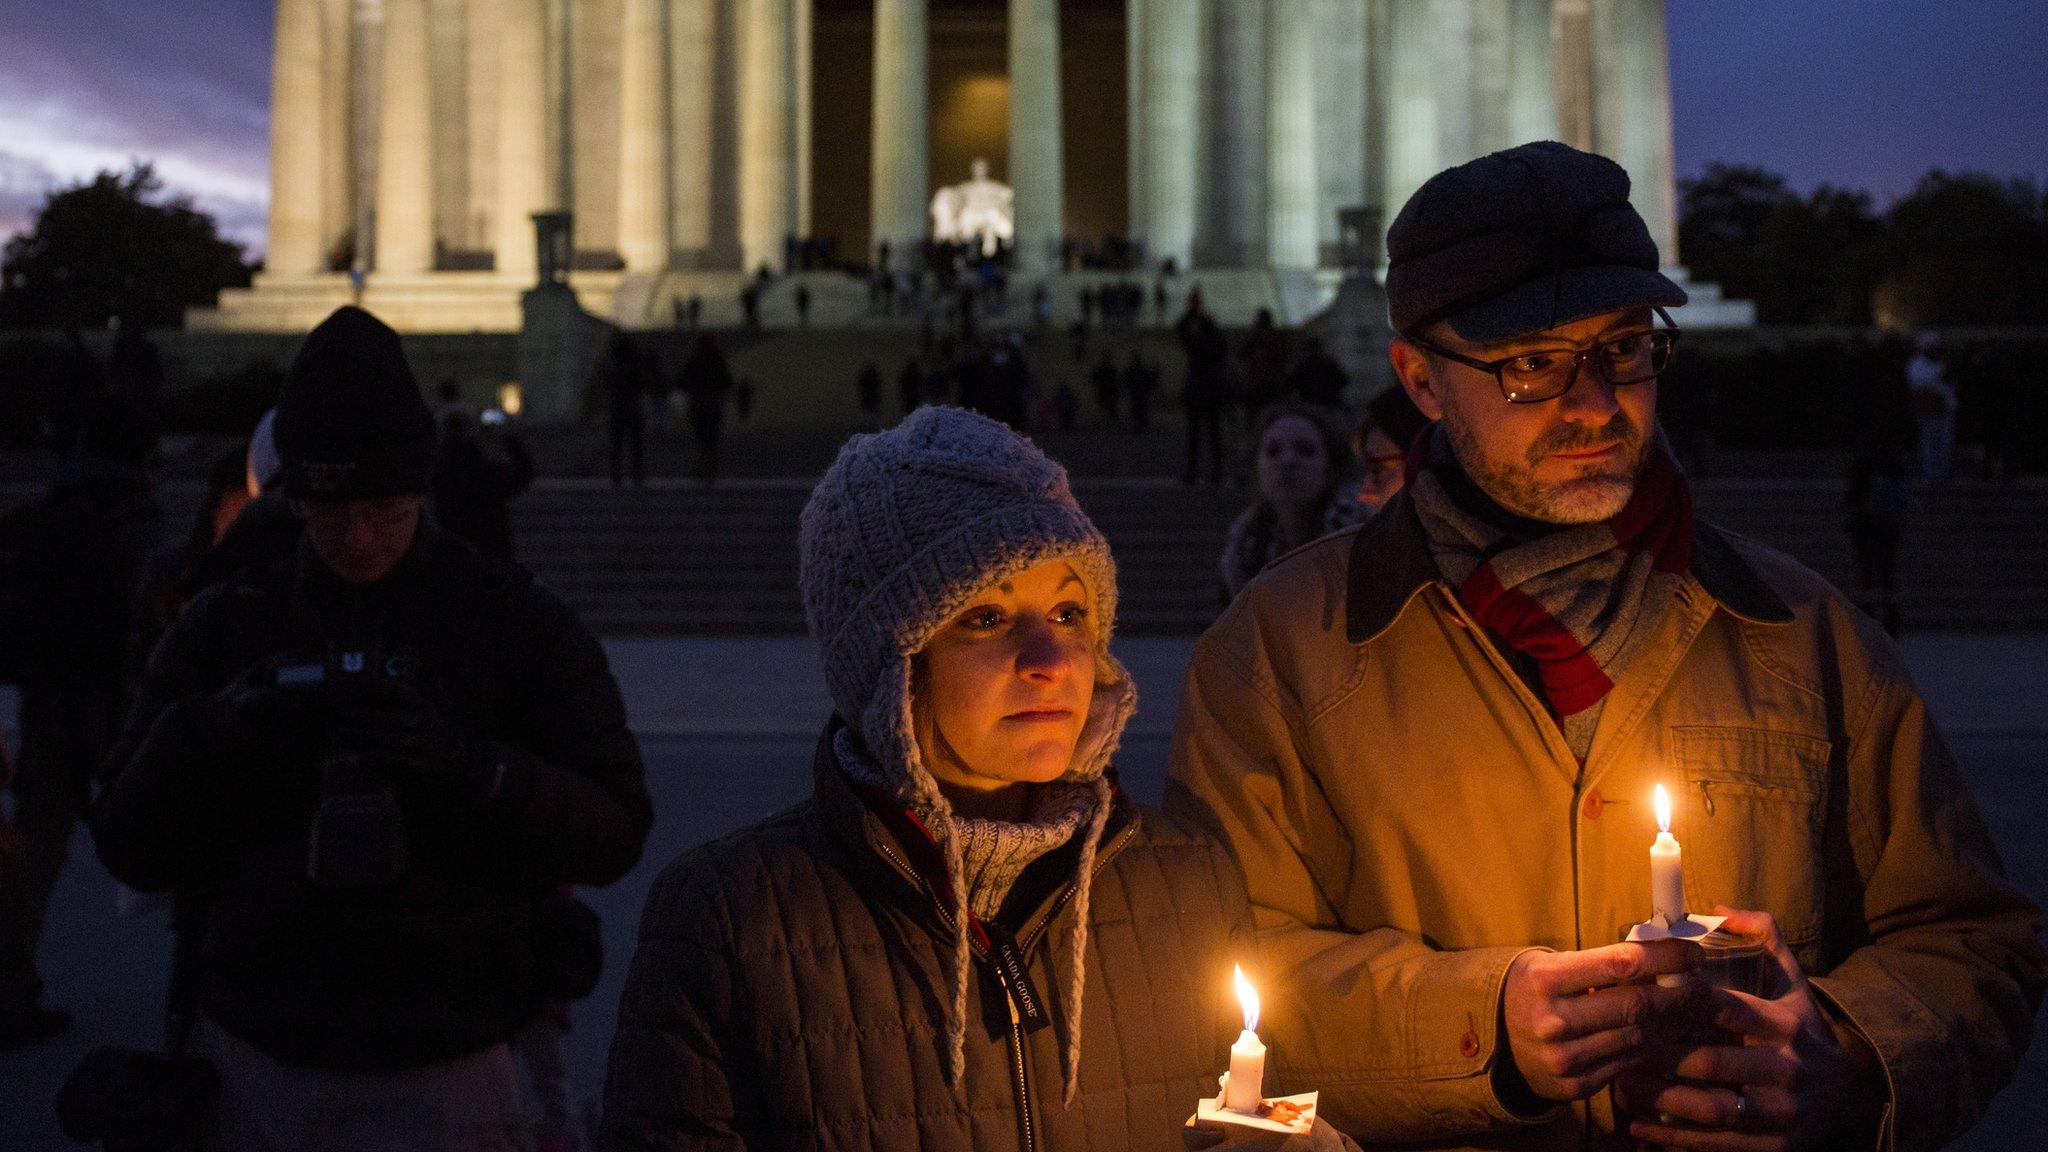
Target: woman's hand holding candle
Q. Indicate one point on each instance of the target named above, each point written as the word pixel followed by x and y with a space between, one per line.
pixel 1242 1093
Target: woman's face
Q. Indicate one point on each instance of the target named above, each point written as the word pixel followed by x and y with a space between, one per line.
pixel 1385 470
pixel 1294 466
pixel 1002 690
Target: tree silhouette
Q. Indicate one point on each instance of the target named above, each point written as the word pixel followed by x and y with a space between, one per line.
pixel 1966 249
pixel 1803 260
pixel 116 246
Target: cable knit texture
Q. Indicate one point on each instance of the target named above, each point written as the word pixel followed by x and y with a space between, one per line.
pixel 993 853
pixel 903 531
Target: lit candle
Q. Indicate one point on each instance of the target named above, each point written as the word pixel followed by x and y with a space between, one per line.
pixel 1241 1093
pixel 1667 876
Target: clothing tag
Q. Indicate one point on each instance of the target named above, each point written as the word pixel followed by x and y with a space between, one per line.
pixel 1016 978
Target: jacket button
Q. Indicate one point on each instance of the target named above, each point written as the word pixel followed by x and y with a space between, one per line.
pixel 1469 1045
pixel 1594 804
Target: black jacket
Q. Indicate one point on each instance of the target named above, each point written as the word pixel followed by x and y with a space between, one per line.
pixel 442 962
pixel 790 985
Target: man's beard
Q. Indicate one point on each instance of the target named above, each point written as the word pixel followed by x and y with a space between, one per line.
pixel 1599 491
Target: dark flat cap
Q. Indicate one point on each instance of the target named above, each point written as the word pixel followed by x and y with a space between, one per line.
pixel 1521 241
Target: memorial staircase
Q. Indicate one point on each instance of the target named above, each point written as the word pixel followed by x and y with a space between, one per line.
pixel 683 559
pixel 677 558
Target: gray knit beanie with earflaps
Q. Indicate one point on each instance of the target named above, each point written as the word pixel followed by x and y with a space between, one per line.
pixel 906 528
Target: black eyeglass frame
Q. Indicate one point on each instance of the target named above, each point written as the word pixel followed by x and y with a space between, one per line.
pixel 1579 358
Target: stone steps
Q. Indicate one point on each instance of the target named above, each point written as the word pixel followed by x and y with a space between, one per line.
pixel 683 559
pixel 1976 557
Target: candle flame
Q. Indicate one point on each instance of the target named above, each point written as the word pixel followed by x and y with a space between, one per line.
pixel 1247 998
pixel 1663 809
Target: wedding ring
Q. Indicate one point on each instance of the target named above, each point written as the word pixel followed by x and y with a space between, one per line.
pixel 1741 1109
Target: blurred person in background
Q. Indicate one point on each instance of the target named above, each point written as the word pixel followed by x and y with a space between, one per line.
pixel 1934 406
pixel 1880 492
pixel 482 467
pixel 24 1018
pixel 365 770
pixel 1380 443
pixel 71 570
pixel 1301 456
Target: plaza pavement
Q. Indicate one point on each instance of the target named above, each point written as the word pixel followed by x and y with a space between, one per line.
pixel 728 726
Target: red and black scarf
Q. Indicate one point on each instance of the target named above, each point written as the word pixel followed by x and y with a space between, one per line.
pixel 1578 600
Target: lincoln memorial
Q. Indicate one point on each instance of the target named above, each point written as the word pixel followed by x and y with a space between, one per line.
pixel 691 141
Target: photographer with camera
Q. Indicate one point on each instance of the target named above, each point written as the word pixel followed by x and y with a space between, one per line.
pixel 366 770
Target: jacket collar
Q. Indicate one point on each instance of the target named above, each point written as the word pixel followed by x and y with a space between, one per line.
pixel 1391 562
pixel 885 840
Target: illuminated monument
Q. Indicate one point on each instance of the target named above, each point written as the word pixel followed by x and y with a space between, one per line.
pixel 414 140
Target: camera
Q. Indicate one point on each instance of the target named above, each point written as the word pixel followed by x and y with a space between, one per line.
pixel 358 837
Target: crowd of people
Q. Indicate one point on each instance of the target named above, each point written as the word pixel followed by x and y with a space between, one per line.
pixel 366 761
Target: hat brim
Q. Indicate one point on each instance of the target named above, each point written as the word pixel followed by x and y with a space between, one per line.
pixel 1562 298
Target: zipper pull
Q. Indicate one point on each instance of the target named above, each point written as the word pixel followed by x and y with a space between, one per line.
pixel 1011 1000
pixel 1707 795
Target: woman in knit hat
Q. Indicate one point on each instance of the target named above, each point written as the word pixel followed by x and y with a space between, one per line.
pixel 968 938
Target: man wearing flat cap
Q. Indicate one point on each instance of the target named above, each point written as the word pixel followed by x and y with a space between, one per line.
pixel 1433 743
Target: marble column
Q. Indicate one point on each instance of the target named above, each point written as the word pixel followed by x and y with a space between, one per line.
pixel 1572 48
pixel 297 145
pixel 1342 103
pixel 1532 72
pixel 405 172
pixel 1489 126
pixel 1412 111
pixel 800 15
pixel 1453 71
pixel 337 163
pixel 899 158
pixel 1632 109
pixel 481 54
pixel 1291 183
pixel 448 120
pixel 693 29
pixel 1037 171
pixel 643 138
pixel 522 181
pixel 1171 95
pixel 1134 118
pixel 1230 149
pixel 768 204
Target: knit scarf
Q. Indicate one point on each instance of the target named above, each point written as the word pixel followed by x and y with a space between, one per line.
pixel 983 859
pixel 1579 600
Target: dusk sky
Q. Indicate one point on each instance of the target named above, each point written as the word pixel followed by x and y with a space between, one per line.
pixel 1861 93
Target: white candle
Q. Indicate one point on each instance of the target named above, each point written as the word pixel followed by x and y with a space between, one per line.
pixel 1667 874
pixel 1241 1093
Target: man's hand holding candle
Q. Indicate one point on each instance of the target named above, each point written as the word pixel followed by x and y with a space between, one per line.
pixel 1575 1020
pixel 1790 1079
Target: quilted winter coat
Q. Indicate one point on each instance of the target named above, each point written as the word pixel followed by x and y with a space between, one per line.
pixel 790 984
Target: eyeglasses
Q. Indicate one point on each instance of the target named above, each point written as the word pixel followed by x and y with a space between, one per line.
pixel 1547 373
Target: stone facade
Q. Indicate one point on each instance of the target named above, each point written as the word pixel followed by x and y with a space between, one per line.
pixel 413 140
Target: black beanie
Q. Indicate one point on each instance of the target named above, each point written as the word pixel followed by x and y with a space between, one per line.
pixel 350 421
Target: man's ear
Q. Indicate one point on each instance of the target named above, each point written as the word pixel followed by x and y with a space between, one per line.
pixel 1411 368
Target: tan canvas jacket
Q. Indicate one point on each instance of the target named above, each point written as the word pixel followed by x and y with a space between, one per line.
pixel 1409 819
